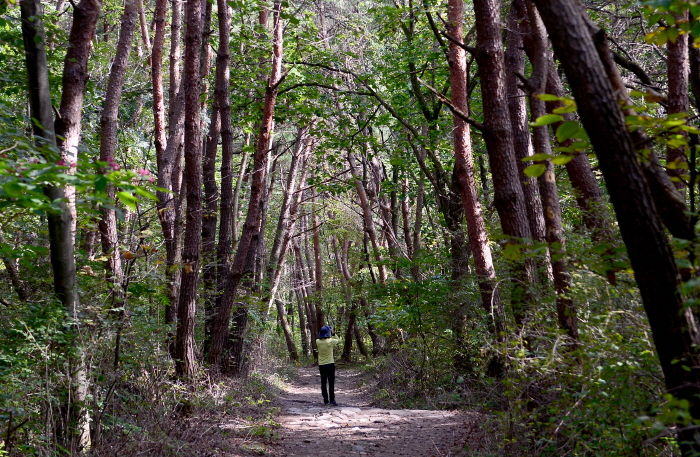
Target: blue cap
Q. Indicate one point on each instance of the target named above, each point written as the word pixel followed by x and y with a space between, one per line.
pixel 325 332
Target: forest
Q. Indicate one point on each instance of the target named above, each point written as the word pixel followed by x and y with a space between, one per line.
pixel 491 203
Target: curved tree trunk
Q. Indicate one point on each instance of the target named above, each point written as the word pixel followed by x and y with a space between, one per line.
pixel 673 327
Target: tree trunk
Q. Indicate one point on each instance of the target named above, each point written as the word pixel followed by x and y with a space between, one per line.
pixel 515 64
pixel 673 327
pixel 245 252
pixel 366 207
pixel 508 193
pixel 227 209
pixel 109 124
pixel 566 309
pixel 185 362
pixel 76 435
pixel 168 163
pixel 464 169
pixel 75 76
pixel 678 67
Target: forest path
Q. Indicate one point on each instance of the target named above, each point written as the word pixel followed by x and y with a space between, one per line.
pixel 354 428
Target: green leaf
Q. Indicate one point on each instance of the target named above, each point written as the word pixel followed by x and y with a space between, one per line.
pixel 535 170
pixel 562 159
pixel 549 97
pixel 568 108
pixel 546 120
pixel 145 193
pixel 13 189
pixel 537 157
pixel 566 130
pixel 128 200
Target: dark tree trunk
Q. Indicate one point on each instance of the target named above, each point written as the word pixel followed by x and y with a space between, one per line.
pixel 508 193
pixel 169 168
pixel 515 64
pixel 678 67
pixel 673 327
pixel 185 361
pixel 243 261
pixel 566 310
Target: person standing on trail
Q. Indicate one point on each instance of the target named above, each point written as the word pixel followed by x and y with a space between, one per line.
pixel 326 364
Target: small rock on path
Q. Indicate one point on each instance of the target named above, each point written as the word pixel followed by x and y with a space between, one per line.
pixel 354 428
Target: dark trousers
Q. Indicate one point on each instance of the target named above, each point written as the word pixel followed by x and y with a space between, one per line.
pixel 327 376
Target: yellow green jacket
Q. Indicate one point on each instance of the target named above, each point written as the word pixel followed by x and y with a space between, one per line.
pixel 325 350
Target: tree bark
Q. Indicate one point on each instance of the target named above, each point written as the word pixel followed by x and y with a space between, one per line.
pixel 508 193
pixel 464 170
pixel 366 207
pixel 245 253
pixel 515 64
pixel 185 362
pixel 168 163
pixel 68 125
pixel 678 68
pixel 674 329
pixel 76 435
pixel 109 125
pixel 566 309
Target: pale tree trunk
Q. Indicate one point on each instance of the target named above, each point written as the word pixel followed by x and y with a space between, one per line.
pixel 291 201
pixel 236 198
pixel 143 23
pixel 109 125
pixel 75 76
pixel 566 309
pixel 464 167
pixel 302 280
pixel 508 193
pixel 185 362
pixel 366 207
pixel 344 267
pixel 673 327
pixel 406 218
pixel 244 259
pixel 316 270
pixel 75 436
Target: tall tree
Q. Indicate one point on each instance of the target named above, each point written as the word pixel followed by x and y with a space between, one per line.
pixel 464 171
pixel 566 310
pixel 185 362
pixel 109 126
pixel 508 193
pixel 242 264
pixel 68 124
pixel 75 435
pixel 673 327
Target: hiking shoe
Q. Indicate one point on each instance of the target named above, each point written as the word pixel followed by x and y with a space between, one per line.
pixel 333 403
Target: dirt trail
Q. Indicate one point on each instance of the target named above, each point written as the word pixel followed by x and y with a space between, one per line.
pixel 354 428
